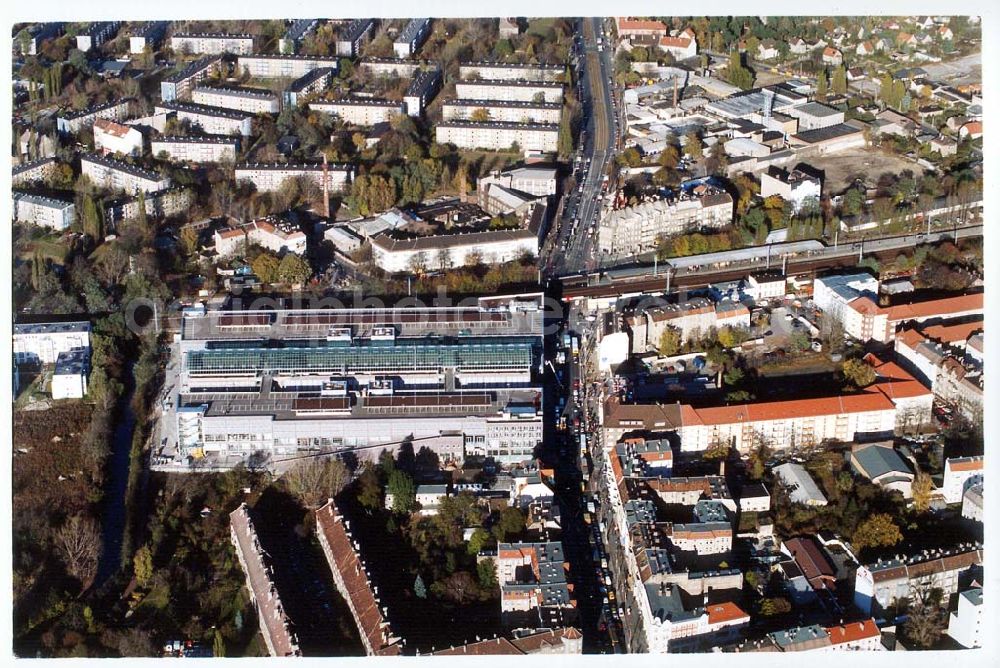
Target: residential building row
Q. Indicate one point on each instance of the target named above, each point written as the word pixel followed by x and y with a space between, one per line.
pixel 507 112
pixel 534 591
pixel 692 319
pixel 116 175
pixel 111 137
pixel 211 120
pixel 211 43
pixel 511 71
pixel 178 86
pixel 48 212
pixel 265 66
pixel 498 136
pixel 196 149
pixel 36 171
pixel 72 123
pixel 509 90
pixel 252 100
pixel 268 177
pixel 411 37
pixel 149 35
pixel 66 345
pixel 361 111
pixel 354 36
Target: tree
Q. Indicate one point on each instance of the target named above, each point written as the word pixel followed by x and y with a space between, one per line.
pixel 403 491
pixel 189 240
pixel 921 490
pixel 487 572
pixel 693 147
pixel 477 541
pixel 853 200
pixel 418 263
pixel 369 489
pixel 419 589
pixel 670 341
pixel 770 607
pixel 857 373
pixel 822 85
pixel 314 481
pixel 926 617
pixel 294 269
pixel 265 266
pixel 79 543
pixel 798 342
pixel 736 73
pixel 218 645
pixel 510 523
pixel 716 451
pixel 480 115
pixel 839 80
pixel 730 337
pixel 142 563
pixel 879 530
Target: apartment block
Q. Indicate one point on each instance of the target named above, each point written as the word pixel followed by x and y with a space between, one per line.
pixel 512 71
pixel 211 43
pixel 965 625
pixel 69 377
pixel 116 175
pixel 421 91
pixel 961 473
pixel 44 211
pixel 360 110
pixel 638 228
pixel 211 120
pixel 34 172
pixel 147 36
pixel 308 84
pixel 297 31
pixel 178 86
pixel 42 343
pixel 197 149
pixel 509 90
pixel 159 204
pixel 794 187
pixel 533 590
pixel 397 255
pixel 263 66
pixel 411 37
pixel 499 136
pixel 353 36
pixel 268 177
pixel 552 641
pixel 97 34
pixel 72 123
pixel 507 112
pixel 390 67
pixel 251 100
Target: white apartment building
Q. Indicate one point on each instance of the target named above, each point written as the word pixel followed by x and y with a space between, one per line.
pixel 831 294
pixel 44 211
pixel 498 136
pixel 35 171
pixel 96 34
pixel 703 537
pixel 116 175
pixel 509 90
pixel 389 67
pixel 178 86
pixel 795 186
pixel 506 112
pixel 111 137
pixel 353 36
pixel 211 120
pixel 411 37
pixel 865 320
pixel 69 378
pixel 972 503
pixel 538 181
pixel 147 36
pixel 965 625
pixel 268 177
pixel 637 228
pixel 451 250
pixel 360 111
pixel 211 43
pixel 282 67
pixel 512 71
pixel 72 123
pixel 422 90
pixel 766 285
pixel 960 473
pixel 43 342
pixel 251 100
pixel 312 82
pixel 270 233
pixel 196 149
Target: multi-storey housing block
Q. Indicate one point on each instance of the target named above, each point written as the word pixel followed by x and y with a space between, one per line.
pixel 72 123
pixel 360 110
pixel 178 86
pixel 211 43
pixel 211 120
pixel 421 91
pixel 117 175
pixel 512 71
pixel 353 36
pixel 495 136
pixel 252 100
pixel 638 228
pixel 268 177
pixel 507 112
pixel 263 66
pixel 411 37
pixel 196 149
pixel 510 90
pixel 44 211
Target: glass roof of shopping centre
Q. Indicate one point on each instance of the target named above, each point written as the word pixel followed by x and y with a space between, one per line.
pixel 345 359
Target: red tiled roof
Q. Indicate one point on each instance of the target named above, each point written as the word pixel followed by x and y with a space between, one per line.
pixel 895 382
pixel 936 307
pixel 795 408
pixel 634 25
pixel 973 127
pixel 679 42
pixel 725 612
pixel 111 128
pixel 953 333
pixel 965 465
pixel 853 632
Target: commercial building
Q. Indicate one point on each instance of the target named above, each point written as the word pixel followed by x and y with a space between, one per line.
pixel 147 36
pixel 815 115
pixel 42 343
pixel 801 487
pixel 538 181
pixel 251 100
pixel 72 123
pixel 44 211
pixel 512 71
pixel 263 66
pixel 507 112
pixel 116 175
pixel 882 465
pixel 353 36
pixel 638 228
pixel 270 233
pixel 411 37
pixel 274 623
pixel 830 139
pixel 287 383
pixel 831 294
pixel 421 91
pixel 111 137
pixel 794 187
pixel 879 586
pixel 178 86
pixel 362 111
pixel 196 149
pixel 534 593
pixel 69 378
pixel 308 84
pixel 390 67
pixel 33 172
pixel 297 31
pixel 268 177
pixel 509 90
pixel 211 43
pixel 211 120
pixel 498 136
pixel 965 625
pixel 352 580
pixel 97 34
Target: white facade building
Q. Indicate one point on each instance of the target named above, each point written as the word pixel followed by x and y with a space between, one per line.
pixel 211 43
pixel 509 90
pixel 111 137
pixel 43 342
pixel 960 473
pixel 638 228
pixel 196 149
pixel 178 86
pixel 44 211
pixel 452 250
pixel 965 625
pixel 72 123
pixel 69 378
pixel 507 112
pixel 795 186
pixel 282 67
pixel 360 111
pixel 116 175
pixel 411 37
pixel 268 177
pixel 512 71
pixel 212 120
pixel 252 100
pixel 498 136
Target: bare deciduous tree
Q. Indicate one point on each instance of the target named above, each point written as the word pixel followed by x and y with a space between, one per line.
pixel 314 481
pixel 79 541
